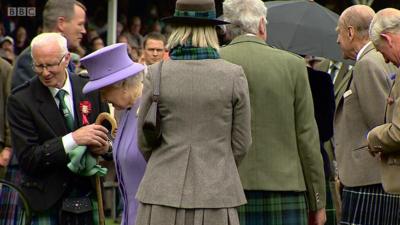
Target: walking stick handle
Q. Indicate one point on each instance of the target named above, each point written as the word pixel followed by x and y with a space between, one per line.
pixel 102 117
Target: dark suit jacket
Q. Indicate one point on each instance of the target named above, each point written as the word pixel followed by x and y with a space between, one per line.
pixel 324 102
pixel 324 109
pixel 37 128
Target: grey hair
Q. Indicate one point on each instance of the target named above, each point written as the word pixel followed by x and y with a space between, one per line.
pixel 58 8
pixel 244 15
pixel 198 36
pixel 43 39
pixel 385 21
pixel 132 81
pixel 359 17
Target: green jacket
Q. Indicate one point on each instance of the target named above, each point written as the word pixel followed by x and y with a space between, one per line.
pixel 285 154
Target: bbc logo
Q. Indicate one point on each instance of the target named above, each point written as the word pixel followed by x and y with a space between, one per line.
pixel 21 11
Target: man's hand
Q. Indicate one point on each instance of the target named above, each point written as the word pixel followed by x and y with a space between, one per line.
pixel 99 150
pixel 91 135
pixel 317 218
pixel 5 156
pixel 375 150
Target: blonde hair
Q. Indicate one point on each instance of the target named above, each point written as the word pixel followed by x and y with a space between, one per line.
pixel 198 36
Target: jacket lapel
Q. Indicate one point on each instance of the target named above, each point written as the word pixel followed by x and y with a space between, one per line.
pixel 342 88
pixel 78 97
pixel 48 107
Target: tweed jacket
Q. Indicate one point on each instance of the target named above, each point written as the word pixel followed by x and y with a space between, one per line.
pixel 5 82
pixel 205 122
pixel 361 108
pixel 387 136
pixel 285 154
pixel 37 128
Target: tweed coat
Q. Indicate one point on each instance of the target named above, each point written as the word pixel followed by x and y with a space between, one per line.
pixel 205 122
pixel 5 83
pixel 285 154
pixel 361 108
pixel 387 136
pixel 37 128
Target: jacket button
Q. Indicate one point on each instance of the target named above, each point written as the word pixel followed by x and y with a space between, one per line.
pixel 47 154
pixel 47 163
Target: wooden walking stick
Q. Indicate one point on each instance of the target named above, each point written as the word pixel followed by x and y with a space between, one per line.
pixel 101 118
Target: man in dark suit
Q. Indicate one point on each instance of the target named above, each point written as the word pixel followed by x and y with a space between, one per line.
pixel 44 138
pixel 66 17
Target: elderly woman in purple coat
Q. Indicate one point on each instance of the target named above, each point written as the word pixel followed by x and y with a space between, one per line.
pixel 119 80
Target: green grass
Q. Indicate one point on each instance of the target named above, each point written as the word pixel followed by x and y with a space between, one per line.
pixel 110 221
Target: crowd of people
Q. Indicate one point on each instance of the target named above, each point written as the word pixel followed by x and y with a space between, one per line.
pixel 249 134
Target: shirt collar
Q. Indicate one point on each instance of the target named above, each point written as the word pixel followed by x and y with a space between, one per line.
pixel 67 87
pixel 362 50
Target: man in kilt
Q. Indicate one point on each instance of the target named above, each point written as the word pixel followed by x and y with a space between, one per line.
pixel 361 108
pixel 282 174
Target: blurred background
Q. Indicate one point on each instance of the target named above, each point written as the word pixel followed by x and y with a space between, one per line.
pixel 149 11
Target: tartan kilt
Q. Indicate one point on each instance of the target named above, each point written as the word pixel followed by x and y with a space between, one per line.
pixel 11 210
pixel 330 206
pixel 51 216
pixel 369 205
pixel 274 208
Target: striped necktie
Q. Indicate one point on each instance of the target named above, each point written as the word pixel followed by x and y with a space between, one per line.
pixel 69 120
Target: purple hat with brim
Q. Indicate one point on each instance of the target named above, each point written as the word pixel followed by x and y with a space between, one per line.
pixel 109 65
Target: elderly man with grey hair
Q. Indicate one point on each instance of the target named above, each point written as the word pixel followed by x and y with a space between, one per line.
pixel 282 175
pixel 385 35
pixel 361 108
pixel 48 124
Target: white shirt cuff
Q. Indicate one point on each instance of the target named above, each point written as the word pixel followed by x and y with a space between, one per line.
pixel 69 143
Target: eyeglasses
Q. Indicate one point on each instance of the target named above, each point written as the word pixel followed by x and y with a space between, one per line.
pixel 49 67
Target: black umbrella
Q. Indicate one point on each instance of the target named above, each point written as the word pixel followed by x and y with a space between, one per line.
pixel 303 27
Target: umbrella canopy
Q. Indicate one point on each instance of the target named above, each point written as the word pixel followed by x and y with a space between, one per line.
pixel 303 27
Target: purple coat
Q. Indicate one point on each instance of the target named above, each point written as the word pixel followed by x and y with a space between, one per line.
pixel 129 162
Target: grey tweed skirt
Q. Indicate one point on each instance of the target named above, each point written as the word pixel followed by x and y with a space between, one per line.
pixel 149 214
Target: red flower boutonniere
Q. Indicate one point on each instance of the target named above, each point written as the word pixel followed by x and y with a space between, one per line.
pixel 85 108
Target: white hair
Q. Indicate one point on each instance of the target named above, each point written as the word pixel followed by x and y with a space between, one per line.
pixel 385 21
pixel 43 39
pixel 244 15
